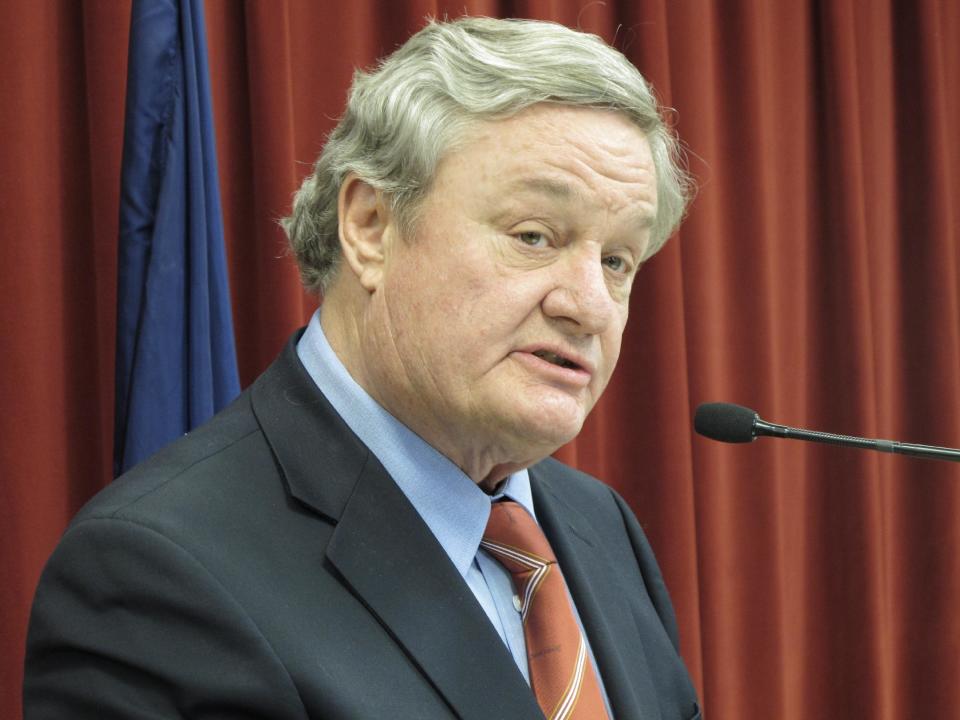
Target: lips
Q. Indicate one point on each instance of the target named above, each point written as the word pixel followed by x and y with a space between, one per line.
pixel 566 361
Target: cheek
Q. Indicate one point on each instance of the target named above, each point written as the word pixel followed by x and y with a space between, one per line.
pixel 610 347
pixel 479 296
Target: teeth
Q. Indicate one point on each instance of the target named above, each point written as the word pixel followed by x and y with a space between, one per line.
pixel 554 358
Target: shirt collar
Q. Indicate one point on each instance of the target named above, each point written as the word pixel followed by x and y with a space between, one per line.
pixel 449 502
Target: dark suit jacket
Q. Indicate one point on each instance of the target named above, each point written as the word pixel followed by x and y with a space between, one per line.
pixel 267 566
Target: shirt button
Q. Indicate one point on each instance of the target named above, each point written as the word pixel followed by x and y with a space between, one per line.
pixel 516 602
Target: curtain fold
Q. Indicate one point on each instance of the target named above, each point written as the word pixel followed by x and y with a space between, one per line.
pixel 815 279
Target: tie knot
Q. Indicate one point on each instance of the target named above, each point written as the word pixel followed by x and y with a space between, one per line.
pixel 515 539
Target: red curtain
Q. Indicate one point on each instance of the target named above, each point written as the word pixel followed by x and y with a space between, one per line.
pixel 816 280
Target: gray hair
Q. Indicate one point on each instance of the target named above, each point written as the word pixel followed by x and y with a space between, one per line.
pixel 417 104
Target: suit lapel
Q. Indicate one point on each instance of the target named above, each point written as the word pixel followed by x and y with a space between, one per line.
pixel 385 552
pixel 602 605
pixel 395 565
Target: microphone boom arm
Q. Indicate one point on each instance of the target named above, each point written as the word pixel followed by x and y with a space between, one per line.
pixel 764 428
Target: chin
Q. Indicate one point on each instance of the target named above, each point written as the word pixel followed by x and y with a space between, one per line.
pixel 533 424
pixel 549 431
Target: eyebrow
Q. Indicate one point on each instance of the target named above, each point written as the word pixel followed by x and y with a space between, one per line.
pixel 562 191
pixel 547 186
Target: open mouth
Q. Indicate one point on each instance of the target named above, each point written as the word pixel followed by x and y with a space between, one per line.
pixel 552 357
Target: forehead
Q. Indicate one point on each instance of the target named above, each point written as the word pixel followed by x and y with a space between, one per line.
pixel 561 152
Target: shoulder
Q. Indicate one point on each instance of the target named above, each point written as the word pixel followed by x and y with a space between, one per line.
pixel 148 568
pixel 202 462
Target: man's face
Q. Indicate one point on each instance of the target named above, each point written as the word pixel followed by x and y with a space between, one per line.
pixel 496 328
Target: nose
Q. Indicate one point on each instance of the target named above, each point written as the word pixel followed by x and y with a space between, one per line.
pixel 579 294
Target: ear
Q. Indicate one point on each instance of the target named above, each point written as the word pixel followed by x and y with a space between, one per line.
pixel 364 219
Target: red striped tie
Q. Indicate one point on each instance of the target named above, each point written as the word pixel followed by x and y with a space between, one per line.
pixel 561 674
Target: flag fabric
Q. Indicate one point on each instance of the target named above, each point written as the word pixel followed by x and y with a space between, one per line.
pixel 176 363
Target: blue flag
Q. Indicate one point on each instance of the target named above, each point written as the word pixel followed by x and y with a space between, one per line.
pixel 176 363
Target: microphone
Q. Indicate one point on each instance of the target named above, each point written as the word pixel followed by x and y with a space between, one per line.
pixel 736 424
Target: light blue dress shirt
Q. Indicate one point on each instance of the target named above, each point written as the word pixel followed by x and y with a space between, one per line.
pixel 454 508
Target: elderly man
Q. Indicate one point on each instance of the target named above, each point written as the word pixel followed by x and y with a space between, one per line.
pixel 374 529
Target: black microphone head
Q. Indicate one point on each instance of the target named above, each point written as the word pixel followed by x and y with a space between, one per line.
pixel 725 422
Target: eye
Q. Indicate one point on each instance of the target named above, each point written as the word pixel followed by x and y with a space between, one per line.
pixel 532 238
pixel 616 263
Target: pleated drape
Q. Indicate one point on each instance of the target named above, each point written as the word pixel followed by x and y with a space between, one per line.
pixel 816 280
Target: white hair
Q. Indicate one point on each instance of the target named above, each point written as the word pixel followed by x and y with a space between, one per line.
pixel 417 104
